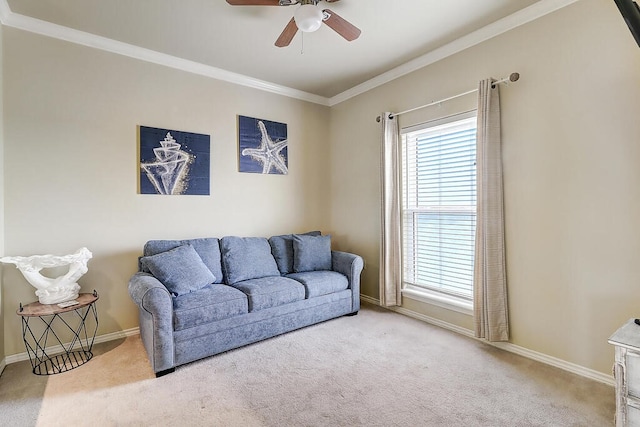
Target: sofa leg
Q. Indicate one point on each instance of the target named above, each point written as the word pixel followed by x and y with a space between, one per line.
pixel 352 314
pixel 165 372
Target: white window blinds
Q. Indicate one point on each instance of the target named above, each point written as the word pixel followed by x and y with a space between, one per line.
pixel 439 205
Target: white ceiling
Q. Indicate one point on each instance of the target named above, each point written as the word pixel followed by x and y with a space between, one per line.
pixel 240 39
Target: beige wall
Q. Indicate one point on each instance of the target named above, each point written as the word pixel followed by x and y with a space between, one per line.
pixel 571 135
pixel 71 165
pixel 2 352
pixel 571 164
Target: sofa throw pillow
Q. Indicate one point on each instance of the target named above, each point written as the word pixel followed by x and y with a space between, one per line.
pixel 311 253
pixel 208 248
pixel 180 270
pixel 245 258
pixel 282 250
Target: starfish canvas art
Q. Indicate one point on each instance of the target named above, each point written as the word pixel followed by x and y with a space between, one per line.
pixel 173 162
pixel 263 146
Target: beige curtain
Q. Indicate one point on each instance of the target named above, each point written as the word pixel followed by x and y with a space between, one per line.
pixel 490 284
pixel 390 253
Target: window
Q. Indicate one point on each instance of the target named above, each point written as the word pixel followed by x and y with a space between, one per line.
pixel 439 208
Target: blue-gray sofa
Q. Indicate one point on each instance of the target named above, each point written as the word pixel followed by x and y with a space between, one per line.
pixel 201 297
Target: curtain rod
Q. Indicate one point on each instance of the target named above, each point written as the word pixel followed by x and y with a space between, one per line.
pixel 513 77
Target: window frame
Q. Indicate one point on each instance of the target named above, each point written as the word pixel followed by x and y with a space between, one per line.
pixel 425 294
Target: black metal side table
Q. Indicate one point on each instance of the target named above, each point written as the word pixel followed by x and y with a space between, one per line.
pixel 80 321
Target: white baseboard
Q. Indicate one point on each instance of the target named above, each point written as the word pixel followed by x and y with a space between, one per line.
pixel 516 349
pixel 512 348
pixel 370 300
pixel 58 348
pixel 558 363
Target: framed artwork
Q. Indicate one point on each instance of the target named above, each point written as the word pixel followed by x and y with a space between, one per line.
pixel 173 162
pixel 263 146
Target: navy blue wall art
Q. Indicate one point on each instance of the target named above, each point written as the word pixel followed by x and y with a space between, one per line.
pixel 262 146
pixel 173 162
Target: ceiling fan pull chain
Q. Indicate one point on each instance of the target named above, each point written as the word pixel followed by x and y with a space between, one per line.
pixel 302 43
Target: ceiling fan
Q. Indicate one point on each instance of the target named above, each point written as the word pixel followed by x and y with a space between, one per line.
pixel 308 17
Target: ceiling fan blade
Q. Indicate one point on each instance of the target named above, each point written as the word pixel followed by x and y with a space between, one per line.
pixel 254 2
pixel 287 34
pixel 341 26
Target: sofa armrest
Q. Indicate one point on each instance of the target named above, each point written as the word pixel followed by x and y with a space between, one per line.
pixel 156 319
pixel 350 265
pixel 141 283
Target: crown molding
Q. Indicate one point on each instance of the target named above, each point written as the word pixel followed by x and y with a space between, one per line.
pixel 48 29
pixel 4 11
pixel 71 35
pixel 528 14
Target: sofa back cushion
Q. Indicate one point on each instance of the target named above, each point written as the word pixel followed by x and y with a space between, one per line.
pixel 208 249
pixel 282 250
pixel 245 258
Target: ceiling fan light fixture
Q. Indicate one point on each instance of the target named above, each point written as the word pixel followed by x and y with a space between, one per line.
pixel 308 18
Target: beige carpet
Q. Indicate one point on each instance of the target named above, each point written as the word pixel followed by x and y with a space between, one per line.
pixel 375 369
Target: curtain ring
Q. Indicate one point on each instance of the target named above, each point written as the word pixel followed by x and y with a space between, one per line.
pixel 379 119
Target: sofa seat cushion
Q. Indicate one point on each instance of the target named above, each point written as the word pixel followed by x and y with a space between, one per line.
pixel 208 249
pixel 318 283
pixel 209 304
pixel 267 292
pixel 245 258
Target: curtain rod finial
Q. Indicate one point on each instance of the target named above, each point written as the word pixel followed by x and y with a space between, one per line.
pixel 514 77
